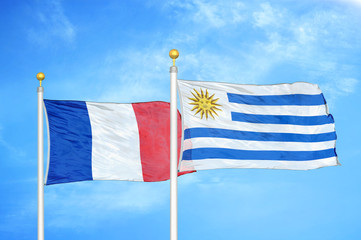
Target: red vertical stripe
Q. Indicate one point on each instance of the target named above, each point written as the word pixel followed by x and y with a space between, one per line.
pixel 154 136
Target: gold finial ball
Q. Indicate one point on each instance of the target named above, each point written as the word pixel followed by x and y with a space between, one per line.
pixel 40 76
pixel 173 53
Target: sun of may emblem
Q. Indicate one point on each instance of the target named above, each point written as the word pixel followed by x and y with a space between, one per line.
pixel 204 104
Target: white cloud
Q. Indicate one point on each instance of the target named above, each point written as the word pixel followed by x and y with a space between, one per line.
pixel 306 41
pixel 52 24
pixel 215 14
pixel 135 76
pixel 268 16
pixel 353 2
pixel 218 15
pixel 207 65
pixel 339 87
pixel 348 85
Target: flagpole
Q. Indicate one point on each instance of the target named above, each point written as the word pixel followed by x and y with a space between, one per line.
pixel 173 148
pixel 40 76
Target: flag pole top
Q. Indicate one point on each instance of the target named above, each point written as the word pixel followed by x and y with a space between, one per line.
pixel 40 76
pixel 173 54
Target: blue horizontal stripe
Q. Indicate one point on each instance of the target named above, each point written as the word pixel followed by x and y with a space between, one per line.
pixel 257 136
pixel 235 154
pixel 70 142
pixel 277 100
pixel 282 119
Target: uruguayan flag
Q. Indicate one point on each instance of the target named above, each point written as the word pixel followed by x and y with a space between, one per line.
pixel 283 126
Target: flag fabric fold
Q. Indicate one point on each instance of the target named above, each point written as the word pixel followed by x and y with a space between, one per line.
pixel 283 126
pixel 108 141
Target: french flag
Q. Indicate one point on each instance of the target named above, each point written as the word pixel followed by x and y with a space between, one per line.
pixel 108 141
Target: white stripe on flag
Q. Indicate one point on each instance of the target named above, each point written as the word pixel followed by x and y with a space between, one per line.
pixel 258 127
pixel 250 89
pixel 278 110
pixel 256 145
pixel 115 149
pixel 205 164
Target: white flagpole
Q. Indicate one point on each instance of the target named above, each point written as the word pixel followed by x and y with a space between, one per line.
pixel 40 76
pixel 173 148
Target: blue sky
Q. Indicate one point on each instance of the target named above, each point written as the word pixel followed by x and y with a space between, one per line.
pixel 118 51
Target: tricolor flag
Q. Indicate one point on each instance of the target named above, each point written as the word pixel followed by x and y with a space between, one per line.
pixel 283 126
pixel 108 141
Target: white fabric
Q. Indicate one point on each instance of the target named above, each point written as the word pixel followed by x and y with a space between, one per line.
pixel 256 145
pixel 278 110
pixel 115 143
pixel 205 164
pixel 276 128
pixel 250 89
pixel 224 121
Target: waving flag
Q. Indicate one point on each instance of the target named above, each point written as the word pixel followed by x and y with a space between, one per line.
pixel 284 126
pixel 108 141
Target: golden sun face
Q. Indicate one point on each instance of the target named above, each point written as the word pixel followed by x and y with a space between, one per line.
pixel 204 104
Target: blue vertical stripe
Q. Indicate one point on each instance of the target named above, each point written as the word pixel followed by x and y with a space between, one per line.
pixel 70 142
